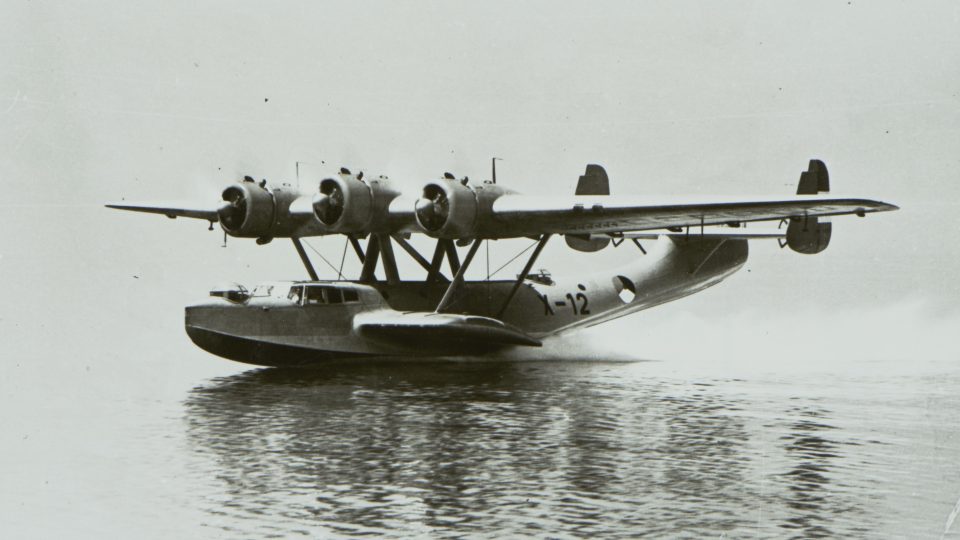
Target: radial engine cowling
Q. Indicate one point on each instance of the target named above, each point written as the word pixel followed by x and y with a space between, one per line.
pixel 345 204
pixel 447 209
pixel 808 235
pixel 247 210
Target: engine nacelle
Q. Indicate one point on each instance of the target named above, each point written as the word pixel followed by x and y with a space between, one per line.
pixel 347 204
pixel 250 210
pixel 808 235
pixel 447 209
pixel 247 210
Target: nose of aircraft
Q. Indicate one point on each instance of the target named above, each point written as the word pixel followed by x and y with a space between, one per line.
pixel 210 330
pixel 200 316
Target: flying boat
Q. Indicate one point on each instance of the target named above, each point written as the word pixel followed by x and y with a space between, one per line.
pixel 682 246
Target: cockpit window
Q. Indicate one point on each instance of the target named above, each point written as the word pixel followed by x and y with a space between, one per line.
pixel 317 294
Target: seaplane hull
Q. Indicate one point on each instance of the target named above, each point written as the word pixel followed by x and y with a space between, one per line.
pixel 311 322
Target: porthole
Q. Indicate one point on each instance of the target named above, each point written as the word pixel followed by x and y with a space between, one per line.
pixel 625 288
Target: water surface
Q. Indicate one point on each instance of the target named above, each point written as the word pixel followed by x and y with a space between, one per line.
pixel 572 449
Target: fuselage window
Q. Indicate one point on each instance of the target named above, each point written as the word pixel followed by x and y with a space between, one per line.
pixel 625 288
pixel 330 295
pixel 334 296
pixel 315 295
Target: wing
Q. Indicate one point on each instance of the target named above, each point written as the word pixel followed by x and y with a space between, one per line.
pixel 531 215
pixel 172 210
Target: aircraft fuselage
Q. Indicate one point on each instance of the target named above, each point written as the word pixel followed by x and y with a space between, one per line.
pixel 304 322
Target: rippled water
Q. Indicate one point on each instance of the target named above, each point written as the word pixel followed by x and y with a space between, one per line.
pixel 573 450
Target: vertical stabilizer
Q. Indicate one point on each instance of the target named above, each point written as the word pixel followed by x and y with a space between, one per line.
pixel 594 181
pixel 814 180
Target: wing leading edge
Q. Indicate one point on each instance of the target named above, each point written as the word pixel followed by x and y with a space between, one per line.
pixel 530 215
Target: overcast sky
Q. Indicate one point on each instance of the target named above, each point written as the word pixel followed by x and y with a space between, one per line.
pixel 146 100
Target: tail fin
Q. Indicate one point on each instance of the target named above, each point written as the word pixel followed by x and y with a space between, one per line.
pixel 810 235
pixel 814 180
pixel 594 181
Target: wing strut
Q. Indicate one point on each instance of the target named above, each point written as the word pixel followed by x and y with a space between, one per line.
pixel 452 256
pixel 433 273
pixel 389 261
pixel 417 257
pixel 368 273
pixel 305 259
pixel 448 297
pixel 356 247
pixel 523 274
pixel 445 249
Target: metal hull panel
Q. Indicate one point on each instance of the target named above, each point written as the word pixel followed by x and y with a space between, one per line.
pixel 263 353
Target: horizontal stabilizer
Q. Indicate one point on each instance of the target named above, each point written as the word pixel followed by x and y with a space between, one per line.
pixel 440 330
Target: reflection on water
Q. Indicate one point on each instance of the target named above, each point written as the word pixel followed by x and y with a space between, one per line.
pixel 459 448
pixel 810 455
pixel 808 478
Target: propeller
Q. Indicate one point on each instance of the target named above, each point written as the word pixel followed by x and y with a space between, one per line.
pixel 432 212
pixel 329 203
pixel 233 210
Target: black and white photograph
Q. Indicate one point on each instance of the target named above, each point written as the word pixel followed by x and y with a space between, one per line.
pixel 652 269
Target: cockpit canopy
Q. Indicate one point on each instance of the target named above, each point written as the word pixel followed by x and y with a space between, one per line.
pixel 300 293
pixel 232 292
pixel 314 294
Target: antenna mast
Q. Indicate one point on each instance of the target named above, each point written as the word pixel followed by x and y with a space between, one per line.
pixel 493 165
